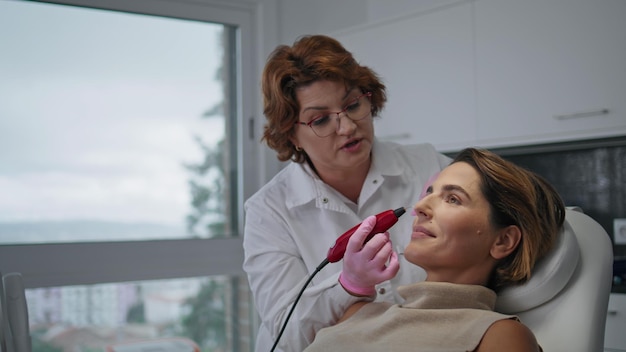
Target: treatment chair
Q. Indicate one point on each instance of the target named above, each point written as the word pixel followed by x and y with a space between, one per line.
pixel 565 301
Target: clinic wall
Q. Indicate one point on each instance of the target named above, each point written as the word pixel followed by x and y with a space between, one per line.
pixel 300 17
pixel 493 73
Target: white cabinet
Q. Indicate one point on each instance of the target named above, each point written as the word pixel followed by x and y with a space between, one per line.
pixel 497 73
pixel 426 61
pixel 549 70
pixel 615 333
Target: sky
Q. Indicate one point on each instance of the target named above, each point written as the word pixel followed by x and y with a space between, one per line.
pixel 98 111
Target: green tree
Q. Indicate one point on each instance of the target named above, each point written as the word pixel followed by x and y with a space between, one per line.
pixel 136 313
pixel 39 345
pixel 207 187
pixel 205 322
pixel 207 183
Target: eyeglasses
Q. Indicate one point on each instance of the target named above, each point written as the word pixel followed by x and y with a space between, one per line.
pixel 356 110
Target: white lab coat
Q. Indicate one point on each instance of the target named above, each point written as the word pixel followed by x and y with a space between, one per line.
pixel 295 218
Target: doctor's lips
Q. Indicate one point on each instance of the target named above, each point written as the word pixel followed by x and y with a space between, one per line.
pixel 420 231
pixel 350 143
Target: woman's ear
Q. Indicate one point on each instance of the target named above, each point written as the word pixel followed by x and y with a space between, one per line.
pixel 506 242
pixel 294 141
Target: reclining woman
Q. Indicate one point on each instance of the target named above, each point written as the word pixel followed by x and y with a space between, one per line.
pixel 480 227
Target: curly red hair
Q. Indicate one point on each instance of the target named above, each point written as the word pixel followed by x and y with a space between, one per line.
pixel 311 58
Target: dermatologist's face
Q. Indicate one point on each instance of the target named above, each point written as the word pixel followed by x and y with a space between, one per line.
pixel 349 144
pixel 452 235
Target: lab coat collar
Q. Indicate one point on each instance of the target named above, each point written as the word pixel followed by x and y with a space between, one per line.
pixel 307 186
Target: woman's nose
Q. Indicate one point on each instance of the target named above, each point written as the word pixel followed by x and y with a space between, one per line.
pixel 345 125
pixel 422 208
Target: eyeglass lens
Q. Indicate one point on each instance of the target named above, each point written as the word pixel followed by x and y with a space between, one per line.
pixel 357 110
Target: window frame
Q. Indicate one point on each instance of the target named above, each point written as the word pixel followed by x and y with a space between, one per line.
pixel 61 264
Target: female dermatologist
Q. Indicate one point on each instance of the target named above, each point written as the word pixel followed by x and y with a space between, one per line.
pixel 320 103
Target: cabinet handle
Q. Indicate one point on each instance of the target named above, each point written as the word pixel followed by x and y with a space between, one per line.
pixel 612 312
pixel 582 114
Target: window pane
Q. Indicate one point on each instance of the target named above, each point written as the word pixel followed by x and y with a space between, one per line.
pixel 114 126
pixel 195 311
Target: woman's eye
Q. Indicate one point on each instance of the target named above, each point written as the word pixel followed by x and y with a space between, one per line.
pixel 353 106
pixel 320 120
pixel 453 199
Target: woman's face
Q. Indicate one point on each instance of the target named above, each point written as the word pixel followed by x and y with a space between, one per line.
pixel 350 146
pixel 452 236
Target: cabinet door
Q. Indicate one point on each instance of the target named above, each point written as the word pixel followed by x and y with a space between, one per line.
pixel 614 337
pixel 550 70
pixel 426 62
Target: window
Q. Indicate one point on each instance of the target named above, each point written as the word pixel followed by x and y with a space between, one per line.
pixel 122 135
pixel 114 126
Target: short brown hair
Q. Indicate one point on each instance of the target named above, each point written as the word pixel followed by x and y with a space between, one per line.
pixel 517 197
pixel 311 58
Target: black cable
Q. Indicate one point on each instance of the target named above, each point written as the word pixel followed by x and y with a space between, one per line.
pixel 319 267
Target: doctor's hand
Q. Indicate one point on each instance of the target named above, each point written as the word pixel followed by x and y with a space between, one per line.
pixel 368 264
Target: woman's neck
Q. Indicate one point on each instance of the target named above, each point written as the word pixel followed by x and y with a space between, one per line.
pixel 347 182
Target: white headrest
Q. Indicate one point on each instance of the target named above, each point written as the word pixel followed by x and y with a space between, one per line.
pixel 550 275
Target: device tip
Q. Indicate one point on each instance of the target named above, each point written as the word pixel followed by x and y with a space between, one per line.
pixel 398 212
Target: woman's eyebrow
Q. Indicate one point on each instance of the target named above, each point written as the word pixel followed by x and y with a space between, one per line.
pixel 314 108
pixel 457 188
pixel 348 92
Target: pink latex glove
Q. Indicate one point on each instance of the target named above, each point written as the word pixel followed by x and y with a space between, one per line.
pixel 365 265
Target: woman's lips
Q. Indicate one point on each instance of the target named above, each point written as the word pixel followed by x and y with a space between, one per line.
pixel 351 144
pixel 421 232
